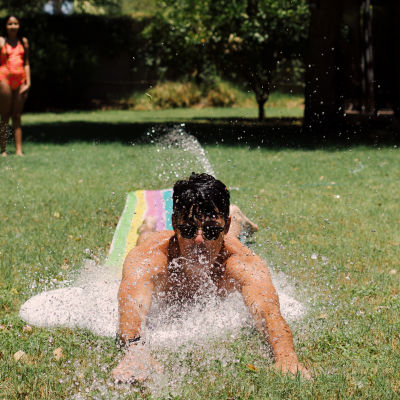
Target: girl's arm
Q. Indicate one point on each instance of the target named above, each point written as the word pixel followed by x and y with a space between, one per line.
pixel 26 64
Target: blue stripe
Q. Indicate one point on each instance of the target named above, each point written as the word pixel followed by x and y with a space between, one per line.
pixel 167 196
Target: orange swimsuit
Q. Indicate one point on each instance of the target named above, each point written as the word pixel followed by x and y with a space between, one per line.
pixel 12 65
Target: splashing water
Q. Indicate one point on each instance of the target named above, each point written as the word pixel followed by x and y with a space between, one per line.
pixel 92 304
pixel 187 340
pixel 181 154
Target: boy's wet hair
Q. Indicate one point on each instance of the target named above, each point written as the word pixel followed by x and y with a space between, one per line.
pixel 200 196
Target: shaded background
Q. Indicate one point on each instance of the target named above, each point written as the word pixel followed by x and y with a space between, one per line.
pixel 90 54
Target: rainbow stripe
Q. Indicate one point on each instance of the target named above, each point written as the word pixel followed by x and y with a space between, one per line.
pixel 139 205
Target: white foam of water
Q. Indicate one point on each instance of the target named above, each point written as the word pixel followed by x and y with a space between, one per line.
pixel 92 304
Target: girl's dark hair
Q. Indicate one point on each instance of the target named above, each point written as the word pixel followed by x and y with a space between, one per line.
pixel 201 195
pixel 4 29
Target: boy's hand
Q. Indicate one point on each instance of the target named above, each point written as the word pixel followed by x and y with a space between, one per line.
pixel 137 365
pixel 290 364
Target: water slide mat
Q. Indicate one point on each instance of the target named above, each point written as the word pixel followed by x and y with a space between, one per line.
pixel 139 205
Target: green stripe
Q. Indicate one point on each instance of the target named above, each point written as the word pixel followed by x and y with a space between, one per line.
pixel 118 246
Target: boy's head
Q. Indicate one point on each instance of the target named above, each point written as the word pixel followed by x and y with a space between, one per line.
pixel 200 196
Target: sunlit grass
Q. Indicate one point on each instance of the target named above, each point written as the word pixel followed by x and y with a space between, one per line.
pixel 328 219
pixel 279 105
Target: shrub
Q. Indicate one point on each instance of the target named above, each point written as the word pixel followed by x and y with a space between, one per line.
pixel 188 94
pixel 221 95
pixel 175 95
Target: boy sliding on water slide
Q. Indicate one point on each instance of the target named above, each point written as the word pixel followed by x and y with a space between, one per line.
pixel 202 247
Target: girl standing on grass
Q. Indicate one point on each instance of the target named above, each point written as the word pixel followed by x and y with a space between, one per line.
pixel 15 81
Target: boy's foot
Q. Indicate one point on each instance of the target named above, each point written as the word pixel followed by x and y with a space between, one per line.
pixel 19 153
pixel 149 224
pixel 4 154
pixel 248 227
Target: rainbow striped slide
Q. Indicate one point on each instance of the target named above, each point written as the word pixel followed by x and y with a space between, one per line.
pixel 139 205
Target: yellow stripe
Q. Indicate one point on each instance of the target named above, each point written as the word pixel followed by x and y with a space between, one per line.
pixel 136 221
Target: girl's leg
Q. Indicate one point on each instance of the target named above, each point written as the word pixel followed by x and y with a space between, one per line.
pixel 5 110
pixel 3 137
pixel 18 101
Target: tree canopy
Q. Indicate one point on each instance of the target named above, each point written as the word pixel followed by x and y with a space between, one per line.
pixel 244 39
pixel 27 7
pixel 21 7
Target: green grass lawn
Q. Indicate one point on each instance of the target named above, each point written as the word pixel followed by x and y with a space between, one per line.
pixel 172 115
pixel 328 219
pixel 279 105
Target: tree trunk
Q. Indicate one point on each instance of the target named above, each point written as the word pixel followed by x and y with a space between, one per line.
pixel 261 86
pixel 57 6
pixel 261 112
pixel 352 50
pixel 367 60
pixel 396 49
pixel 323 102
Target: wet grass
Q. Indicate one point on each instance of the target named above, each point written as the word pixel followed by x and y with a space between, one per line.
pixel 329 220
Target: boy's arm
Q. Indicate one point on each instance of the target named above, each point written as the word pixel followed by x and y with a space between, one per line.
pixel 136 289
pixel 260 296
pixel 141 266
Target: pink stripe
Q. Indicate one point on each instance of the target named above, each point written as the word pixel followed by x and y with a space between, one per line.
pixel 159 204
pixel 155 207
pixel 148 194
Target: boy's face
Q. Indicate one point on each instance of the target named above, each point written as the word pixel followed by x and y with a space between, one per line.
pixel 200 239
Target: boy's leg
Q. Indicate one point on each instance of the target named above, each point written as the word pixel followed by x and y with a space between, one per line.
pixel 240 224
pixel 148 226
